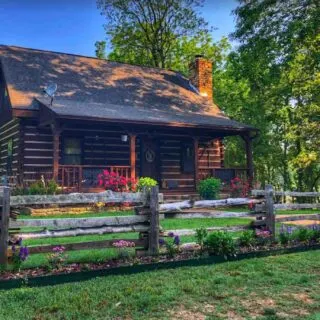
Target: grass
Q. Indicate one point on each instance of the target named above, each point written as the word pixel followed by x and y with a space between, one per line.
pixel 98 255
pixel 82 215
pixel 104 254
pixel 282 287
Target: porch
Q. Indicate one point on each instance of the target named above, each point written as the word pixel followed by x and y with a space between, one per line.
pixel 83 178
pixel 177 156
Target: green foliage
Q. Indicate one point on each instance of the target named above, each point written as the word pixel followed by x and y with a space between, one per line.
pixel 145 32
pixel 285 238
pixel 201 235
pixel 100 49
pixel 209 188
pixel 221 243
pixel 247 239
pixel 41 187
pixel 302 235
pixel 146 182
pixel 270 82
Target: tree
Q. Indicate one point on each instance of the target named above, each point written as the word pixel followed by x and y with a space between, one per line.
pixel 151 26
pixel 279 59
pixel 100 49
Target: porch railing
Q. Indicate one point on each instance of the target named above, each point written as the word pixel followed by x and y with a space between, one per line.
pixel 79 177
pixel 224 174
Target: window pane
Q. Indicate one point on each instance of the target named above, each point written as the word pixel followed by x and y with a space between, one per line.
pixel 72 146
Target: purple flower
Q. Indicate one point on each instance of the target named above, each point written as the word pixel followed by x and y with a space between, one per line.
pixel 161 242
pixel 13 248
pixel 171 234
pixel 176 240
pixel 59 249
pixel 24 253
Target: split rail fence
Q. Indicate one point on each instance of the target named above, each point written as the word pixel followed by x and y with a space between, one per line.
pixel 148 212
pixel 146 223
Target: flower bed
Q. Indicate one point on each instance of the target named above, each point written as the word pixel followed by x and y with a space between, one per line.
pixel 84 271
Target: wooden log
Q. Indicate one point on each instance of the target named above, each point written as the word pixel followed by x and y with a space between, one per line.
pixel 190 232
pixel 4 226
pixel 287 193
pixel 260 208
pixel 154 221
pixel 80 222
pixel 84 245
pixel 83 231
pixel 178 206
pixel 203 215
pixel 270 216
pixel 78 198
pixel 315 217
pixel 296 206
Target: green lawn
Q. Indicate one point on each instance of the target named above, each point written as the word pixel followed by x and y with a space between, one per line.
pixel 273 288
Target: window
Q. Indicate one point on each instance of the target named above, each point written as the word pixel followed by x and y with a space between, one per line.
pixel 187 159
pixel 9 156
pixel 72 151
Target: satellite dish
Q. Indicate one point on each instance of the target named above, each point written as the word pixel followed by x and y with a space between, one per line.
pixel 50 91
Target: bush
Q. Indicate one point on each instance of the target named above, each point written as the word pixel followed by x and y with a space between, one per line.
pixel 302 235
pixel 247 239
pixel 239 187
pixel 39 187
pixel 284 238
pixel 315 232
pixel 43 187
pixel 209 188
pixel 221 243
pixel 201 235
pixel 114 182
pixel 146 182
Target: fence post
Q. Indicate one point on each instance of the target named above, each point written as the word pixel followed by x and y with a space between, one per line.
pixel 270 216
pixel 4 226
pixel 154 221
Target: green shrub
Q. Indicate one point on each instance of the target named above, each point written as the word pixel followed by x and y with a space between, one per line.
pixel 220 243
pixel 39 187
pixel 209 188
pixel 201 235
pixel 315 233
pixel 302 235
pixel 247 239
pixel 146 182
pixel 284 238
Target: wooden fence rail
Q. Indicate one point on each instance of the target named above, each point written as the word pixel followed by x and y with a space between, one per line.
pixel 287 193
pixel 146 223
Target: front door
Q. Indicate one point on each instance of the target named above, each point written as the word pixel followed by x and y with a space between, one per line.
pixel 149 158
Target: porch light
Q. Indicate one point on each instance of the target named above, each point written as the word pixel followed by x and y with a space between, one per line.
pixel 124 137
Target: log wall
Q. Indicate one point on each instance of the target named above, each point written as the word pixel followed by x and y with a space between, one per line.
pixel 102 146
pixel 37 149
pixel 8 131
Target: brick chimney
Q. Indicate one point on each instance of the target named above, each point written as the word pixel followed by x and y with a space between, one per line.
pixel 201 76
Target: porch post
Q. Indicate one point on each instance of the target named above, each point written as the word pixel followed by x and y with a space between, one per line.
pixel 196 161
pixel 56 131
pixel 248 141
pixel 132 156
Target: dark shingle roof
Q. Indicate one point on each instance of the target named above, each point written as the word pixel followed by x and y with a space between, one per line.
pixel 92 87
pixel 73 109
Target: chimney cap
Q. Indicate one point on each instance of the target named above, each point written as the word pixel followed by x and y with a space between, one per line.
pixel 198 56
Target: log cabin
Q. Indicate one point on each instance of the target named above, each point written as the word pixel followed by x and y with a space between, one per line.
pixel 133 120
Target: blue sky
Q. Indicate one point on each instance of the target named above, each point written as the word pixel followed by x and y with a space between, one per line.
pixel 73 26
